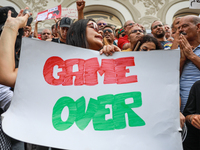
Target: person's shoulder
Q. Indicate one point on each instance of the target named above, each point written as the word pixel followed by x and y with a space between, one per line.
pixel 127 50
pixel 54 40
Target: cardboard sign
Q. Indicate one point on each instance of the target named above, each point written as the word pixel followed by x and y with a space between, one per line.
pixel 73 98
pixel 49 14
pixel 194 4
pixel 70 12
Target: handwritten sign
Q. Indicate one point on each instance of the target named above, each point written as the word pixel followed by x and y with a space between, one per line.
pixel 70 12
pixel 194 4
pixel 49 14
pixel 74 98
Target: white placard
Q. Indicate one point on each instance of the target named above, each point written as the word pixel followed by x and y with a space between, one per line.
pixel 69 12
pixel 194 4
pixel 133 105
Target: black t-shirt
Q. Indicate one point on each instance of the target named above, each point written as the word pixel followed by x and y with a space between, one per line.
pixel 192 141
pixel 57 40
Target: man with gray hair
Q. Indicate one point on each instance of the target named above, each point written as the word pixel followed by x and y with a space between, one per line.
pixel 123 42
pixel 189 41
pixel 101 23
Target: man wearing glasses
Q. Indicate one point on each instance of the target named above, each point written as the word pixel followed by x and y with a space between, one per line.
pixel 158 31
pixel 101 23
pixel 108 35
pixel 135 34
pixel 123 42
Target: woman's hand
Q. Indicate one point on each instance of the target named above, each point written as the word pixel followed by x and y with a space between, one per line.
pixel 16 23
pixel 109 50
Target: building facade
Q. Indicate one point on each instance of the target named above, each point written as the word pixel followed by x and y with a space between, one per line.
pixel 115 12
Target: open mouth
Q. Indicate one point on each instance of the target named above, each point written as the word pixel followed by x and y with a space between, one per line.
pixel 107 36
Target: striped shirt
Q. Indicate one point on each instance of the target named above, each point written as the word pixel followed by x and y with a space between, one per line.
pixel 189 76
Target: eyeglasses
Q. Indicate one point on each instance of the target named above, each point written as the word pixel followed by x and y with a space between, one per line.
pixel 130 24
pixel 109 30
pixel 123 35
pixel 135 31
pixel 46 33
pixel 99 24
pixel 94 26
pixel 159 25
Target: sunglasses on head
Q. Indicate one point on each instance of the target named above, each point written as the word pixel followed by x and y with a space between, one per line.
pixel 94 26
pixel 130 24
pixel 99 24
pixel 109 30
pixel 159 25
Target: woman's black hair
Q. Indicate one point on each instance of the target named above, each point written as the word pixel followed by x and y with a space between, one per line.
pixel 146 39
pixel 76 35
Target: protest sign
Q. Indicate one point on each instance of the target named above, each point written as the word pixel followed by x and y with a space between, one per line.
pixel 73 98
pixel 70 12
pixel 49 14
pixel 194 4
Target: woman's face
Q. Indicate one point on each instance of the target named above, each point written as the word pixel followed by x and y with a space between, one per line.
pixel 147 46
pixel 94 39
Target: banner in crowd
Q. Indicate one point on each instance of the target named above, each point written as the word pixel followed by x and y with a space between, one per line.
pixel 74 98
pixel 69 12
pixel 194 4
pixel 48 14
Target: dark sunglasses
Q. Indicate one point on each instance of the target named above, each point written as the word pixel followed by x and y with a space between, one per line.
pixel 159 25
pixel 109 30
pixel 99 24
pixel 135 31
pixel 94 26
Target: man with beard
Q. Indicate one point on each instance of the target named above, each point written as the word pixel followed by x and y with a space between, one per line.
pixel 135 33
pixel 108 35
pixel 158 31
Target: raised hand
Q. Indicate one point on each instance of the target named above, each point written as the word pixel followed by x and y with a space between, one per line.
pixel 80 5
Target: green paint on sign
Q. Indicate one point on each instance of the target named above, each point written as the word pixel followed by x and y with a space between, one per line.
pixel 96 110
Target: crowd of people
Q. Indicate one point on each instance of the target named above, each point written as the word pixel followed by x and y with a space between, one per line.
pixel 183 34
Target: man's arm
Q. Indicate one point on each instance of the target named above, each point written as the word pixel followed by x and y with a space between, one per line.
pixel 126 46
pixel 194 119
pixel 35 33
pixel 80 4
pixel 175 42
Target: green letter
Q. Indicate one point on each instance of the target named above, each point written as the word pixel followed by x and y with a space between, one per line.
pixel 99 121
pixel 58 123
pixel 120 108
pixel 83 117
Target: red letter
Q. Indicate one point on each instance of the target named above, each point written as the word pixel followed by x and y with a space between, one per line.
pixel 91 68
pixel 121 70
pixel 108 69
pixel 69 72
pixel 48 70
